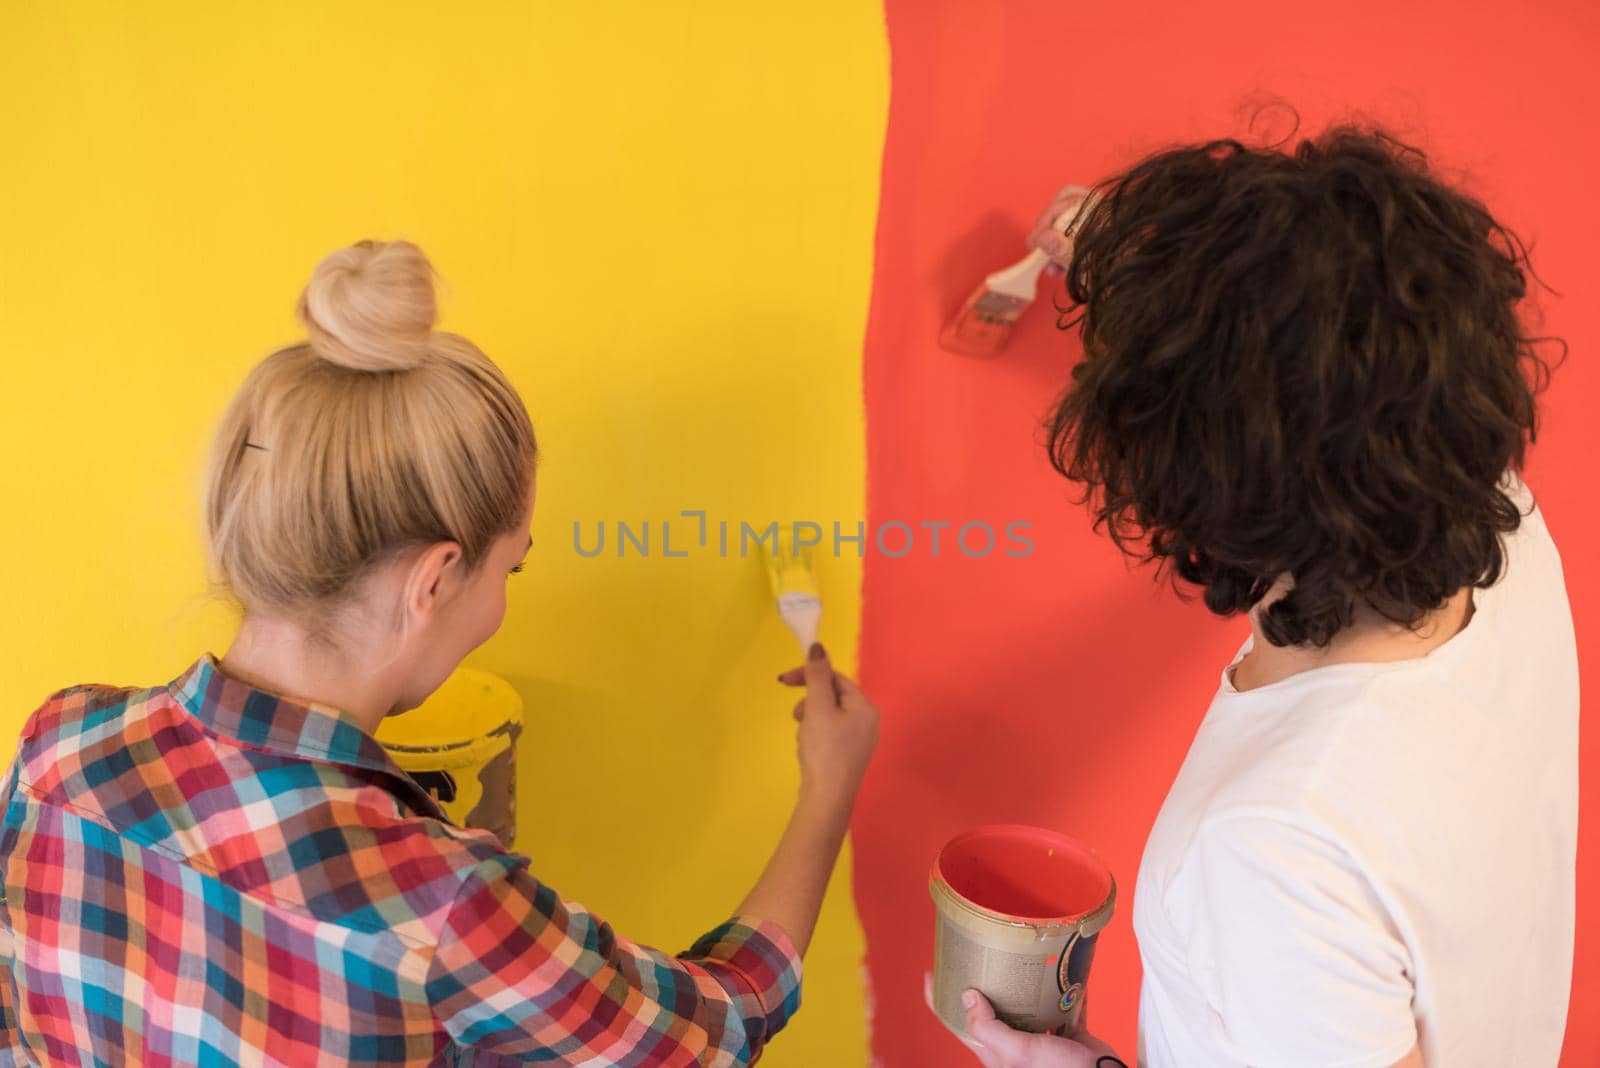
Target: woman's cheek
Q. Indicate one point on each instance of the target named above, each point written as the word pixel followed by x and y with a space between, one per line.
pixel 497 613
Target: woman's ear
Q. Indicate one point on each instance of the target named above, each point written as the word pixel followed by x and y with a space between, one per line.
pixel 433 579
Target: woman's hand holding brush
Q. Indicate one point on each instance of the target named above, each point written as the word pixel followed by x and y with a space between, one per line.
pixel 838 729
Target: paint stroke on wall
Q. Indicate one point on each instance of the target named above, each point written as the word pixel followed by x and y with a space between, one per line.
pixel 657 217
pixel 1063 688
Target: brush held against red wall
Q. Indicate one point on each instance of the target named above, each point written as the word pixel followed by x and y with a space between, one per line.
pixel 983 325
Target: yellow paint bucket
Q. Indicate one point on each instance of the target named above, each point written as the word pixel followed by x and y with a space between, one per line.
pixel 460 746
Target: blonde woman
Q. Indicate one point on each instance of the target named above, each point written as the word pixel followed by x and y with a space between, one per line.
pixel 228 869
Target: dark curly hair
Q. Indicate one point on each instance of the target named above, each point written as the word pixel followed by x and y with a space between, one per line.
pixel 1307 362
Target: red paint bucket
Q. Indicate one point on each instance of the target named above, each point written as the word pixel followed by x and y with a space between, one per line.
pixel 1019 911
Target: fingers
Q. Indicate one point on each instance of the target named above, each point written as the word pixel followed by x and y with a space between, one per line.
pixel 978 1008
pixel 1052 232
pixel 985 1057
pixel 848 697
pixel 1052 244
pixel 818 669
pixel 1064 211
pixel 844 684
pixel 799 710
pixel 988 1057
pixel 852 700
pixel 995 1037
pixel 821 693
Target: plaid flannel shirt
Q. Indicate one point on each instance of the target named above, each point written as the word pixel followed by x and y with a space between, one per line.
pixel 204 873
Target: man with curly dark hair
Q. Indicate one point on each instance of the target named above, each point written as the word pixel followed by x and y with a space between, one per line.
pixel 1306 389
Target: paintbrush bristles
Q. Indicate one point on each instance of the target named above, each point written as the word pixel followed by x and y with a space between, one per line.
pixel 794 583
pixel 995 307
pixel 983 325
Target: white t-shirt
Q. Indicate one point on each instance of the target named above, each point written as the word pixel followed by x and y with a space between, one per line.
pixel 1363 856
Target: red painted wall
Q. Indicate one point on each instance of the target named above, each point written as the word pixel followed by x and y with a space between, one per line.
pixel 1063 688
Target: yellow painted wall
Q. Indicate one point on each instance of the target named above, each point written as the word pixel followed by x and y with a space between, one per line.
pixel 657 217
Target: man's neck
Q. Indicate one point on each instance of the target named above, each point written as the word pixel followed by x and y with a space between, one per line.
pixel 1370 639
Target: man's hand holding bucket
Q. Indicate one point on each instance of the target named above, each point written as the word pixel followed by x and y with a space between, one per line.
pixel 999 1046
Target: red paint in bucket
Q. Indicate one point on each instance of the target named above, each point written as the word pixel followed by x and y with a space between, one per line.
pixel 1024 872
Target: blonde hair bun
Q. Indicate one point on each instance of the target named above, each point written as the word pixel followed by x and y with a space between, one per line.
pixel 317 472
pixel 370 307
